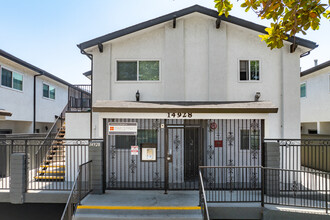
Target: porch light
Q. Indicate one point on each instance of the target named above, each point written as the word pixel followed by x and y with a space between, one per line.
pixel 257 96
pixel 137 96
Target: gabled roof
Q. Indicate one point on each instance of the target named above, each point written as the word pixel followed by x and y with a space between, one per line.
pixel 315 68
pixel 183 12
pixel 32 67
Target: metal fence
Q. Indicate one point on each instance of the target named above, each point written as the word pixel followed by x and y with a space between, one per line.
pixel 79 98
pixel 275 186
pixel 51 165
pixel 81 188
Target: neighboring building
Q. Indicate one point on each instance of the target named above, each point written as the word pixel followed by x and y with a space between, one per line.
pixel 314 99
pixel 33 96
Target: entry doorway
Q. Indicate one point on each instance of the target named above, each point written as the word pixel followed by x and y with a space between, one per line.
pixel 183 156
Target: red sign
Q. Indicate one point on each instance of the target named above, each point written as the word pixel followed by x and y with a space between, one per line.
pixel 218 143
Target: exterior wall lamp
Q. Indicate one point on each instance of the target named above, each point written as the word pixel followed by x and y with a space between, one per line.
pixel 257 96
pixel 137 96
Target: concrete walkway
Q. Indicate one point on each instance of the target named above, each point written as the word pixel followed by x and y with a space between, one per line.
pixel 132 204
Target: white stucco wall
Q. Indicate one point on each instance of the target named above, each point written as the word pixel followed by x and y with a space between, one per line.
pixel 315 107
pixel 20 103
pixel 77 125
pixel 201 63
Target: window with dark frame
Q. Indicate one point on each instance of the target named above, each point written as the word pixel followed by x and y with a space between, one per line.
pixel 11 79
pixel 48 91
pixel 138 70
pixel 250 139
pixel 249 70
pixel 143 136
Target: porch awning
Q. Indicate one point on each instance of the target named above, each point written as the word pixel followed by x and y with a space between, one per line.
pixel 5 113
pixel 193 107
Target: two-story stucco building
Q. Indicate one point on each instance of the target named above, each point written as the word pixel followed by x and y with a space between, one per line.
pixel 187 89
pixel 314 99
pixel 33 96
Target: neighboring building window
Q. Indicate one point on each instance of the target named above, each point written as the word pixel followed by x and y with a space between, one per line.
pixel 303 90
pixel 48 91
pixel 138 70
pixel 249 70
pixel 11 79
pixel 143 136
pixel 250 139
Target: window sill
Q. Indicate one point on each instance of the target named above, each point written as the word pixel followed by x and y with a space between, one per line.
pixel 49 99
pixel 12 89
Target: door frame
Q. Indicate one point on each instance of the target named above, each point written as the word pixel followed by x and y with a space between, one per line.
pixel 170 157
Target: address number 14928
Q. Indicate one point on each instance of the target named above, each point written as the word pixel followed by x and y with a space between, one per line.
pixel 179 115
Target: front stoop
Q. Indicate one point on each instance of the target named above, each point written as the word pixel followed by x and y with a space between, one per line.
pixel 138 213
pixel 140 204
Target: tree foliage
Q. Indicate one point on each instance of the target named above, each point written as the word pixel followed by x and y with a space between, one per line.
pixel 288 17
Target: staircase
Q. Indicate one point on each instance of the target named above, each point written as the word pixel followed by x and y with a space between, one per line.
pixel 52 167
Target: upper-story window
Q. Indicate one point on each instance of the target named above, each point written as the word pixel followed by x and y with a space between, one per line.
pixel 11 79
pixel 302 90
pixel 138 70
pixel 249 70
pixel 48 91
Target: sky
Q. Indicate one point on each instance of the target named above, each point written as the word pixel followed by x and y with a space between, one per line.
pixel 45 33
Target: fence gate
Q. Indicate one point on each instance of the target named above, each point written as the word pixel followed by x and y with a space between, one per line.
pixel 166 154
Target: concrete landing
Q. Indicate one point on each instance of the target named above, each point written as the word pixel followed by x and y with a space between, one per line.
pixel 129 204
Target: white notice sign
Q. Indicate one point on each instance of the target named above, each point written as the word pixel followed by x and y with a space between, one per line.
pixel 127 128
pixel 134 150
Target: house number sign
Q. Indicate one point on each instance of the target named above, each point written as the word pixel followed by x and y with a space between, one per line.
pixel 179 115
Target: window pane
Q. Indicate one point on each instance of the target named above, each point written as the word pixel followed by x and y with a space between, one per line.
pixel 244 139
pixel 255 138
pixel 6 78
pixel 45 90
pixel 149 70
pixel 254 68
pixel 127 70
pixel 303 90
pixel 125 142
pixel 17 81
pixel 146 136
pixel 243 70
pixel 51 92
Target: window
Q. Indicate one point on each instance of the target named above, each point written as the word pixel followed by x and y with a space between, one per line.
pixel 143 136
pixel 137 70
pixel 302 90
pixel 11 79
pixel 249 70
pixel 48 91
pixel 250 139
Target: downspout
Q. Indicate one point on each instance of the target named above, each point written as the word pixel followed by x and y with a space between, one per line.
pixel 35 100
pixel 90 56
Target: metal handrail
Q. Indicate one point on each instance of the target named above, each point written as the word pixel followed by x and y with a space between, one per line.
pixel 68 211
pixel 202 196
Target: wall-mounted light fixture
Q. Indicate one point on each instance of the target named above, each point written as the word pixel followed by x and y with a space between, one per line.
pixel 137 96
pixel 257 96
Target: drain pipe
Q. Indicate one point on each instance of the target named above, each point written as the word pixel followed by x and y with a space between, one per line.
pixel 90 56
pixel 35 100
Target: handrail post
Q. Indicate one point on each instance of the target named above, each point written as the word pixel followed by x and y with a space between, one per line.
pixel 326 193
pixel 262 187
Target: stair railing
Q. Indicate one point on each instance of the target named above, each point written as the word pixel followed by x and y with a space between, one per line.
pixel 81 188
pixel 51 135
pixel 202 197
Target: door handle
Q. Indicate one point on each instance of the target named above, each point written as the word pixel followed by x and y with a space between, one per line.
pixel 169 158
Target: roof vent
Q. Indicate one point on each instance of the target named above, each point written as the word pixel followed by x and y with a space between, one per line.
pixel 315 62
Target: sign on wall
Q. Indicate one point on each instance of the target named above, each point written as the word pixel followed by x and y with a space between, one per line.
pixel 118 128
pixel 134 150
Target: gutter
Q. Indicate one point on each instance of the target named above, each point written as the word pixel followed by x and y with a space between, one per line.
pixel 34 100
pixel 90 56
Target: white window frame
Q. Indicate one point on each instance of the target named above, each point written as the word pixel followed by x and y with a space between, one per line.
pixel 138 67
pixel 249 80
pixel 42 91
pixel 12 79
pixel 305 89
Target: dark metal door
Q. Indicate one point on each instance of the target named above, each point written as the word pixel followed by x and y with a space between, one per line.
pixel 183 144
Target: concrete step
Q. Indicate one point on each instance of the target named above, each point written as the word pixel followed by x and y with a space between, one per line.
pixel 138 212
